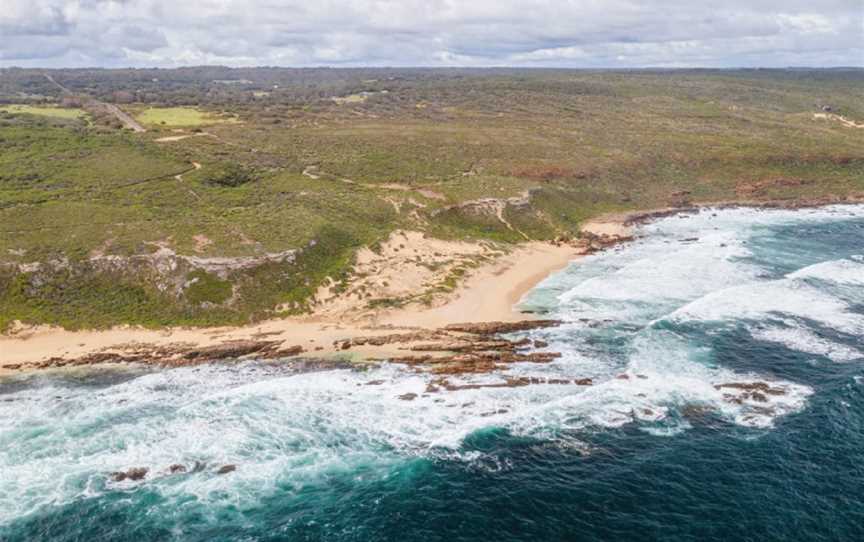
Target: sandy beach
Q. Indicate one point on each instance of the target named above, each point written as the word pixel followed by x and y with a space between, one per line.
pixel 489 293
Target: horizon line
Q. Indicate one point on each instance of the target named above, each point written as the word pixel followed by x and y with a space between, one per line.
pixel 435 67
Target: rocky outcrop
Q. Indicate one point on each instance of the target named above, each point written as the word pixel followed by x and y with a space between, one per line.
pixel 748 391
pixel 475 362
pixel 312 365
pixel 239 349
pixel 589 243
pixel 467 346
pixel 752 386
pixel 464 348
pixel 697 413
pixel 494 328
pixel 512 382
pixel 396 338
pixel 134 474
pixel 177 355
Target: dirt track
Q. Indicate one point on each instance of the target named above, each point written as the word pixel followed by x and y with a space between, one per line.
pixel 122 116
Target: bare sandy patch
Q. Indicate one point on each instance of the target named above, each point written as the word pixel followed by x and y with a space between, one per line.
pixel 492 291
pixel 408 267
pixel 611 226
pixel 837 118
pixel 168 139
pixel 201 242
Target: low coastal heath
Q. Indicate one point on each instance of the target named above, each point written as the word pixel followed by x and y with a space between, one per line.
pixel 725 352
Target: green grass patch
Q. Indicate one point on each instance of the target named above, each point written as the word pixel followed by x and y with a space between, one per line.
pixel 180 116
pixel 44 111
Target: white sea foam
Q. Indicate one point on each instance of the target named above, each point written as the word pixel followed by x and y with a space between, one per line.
pixel 656 273
pixel 759 300
pixel 849 271
pixel 803 340
pixel 58 441
pixel 58 444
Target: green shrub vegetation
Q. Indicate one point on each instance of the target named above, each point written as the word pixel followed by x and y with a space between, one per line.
pixel 549 148
pixel 205 287
pixel 228 175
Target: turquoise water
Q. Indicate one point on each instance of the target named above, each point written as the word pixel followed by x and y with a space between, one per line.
pixel 659 448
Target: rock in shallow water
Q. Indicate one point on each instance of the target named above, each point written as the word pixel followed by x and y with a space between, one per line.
pixel 225 469
pixel 135 474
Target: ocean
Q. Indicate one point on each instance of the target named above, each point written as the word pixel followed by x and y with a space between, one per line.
pixel 726 350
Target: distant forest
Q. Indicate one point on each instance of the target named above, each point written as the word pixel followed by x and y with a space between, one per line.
pixel 218 85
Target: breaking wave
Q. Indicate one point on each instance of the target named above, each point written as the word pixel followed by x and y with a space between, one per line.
pixel 651 323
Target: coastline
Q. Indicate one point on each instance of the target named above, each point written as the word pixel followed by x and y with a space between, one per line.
pixel 487 295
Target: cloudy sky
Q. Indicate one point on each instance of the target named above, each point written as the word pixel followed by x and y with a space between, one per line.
pixel 573 33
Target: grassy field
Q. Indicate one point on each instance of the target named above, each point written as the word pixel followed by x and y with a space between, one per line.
pixel 179 117
pixel 552 149
pixel 45 111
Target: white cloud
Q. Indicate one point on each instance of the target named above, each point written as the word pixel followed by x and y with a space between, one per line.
pixel 579 33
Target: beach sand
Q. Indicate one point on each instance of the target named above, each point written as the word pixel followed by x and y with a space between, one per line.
pixel 489 293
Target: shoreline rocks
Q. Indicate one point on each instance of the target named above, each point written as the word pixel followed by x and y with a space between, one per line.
pixel 494 328
pixel 173 355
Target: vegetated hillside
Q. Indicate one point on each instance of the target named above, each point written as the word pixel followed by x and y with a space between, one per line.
pixel 267 185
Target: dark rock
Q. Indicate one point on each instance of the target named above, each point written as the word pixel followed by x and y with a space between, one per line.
pixel 492 328
pixel 135 474
pixel 464 346
pixel 225 469
pixel 229 350
pixel 762 387
pixel 311 365
pixel 494 412
pixel 540 344
pixel 696 413
pixel 758 397
pixel 408 396
pixel 289 352
pixel 177 468
pixel 475 362
pixel 729 398
pixel 443 383
pixel 381 340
